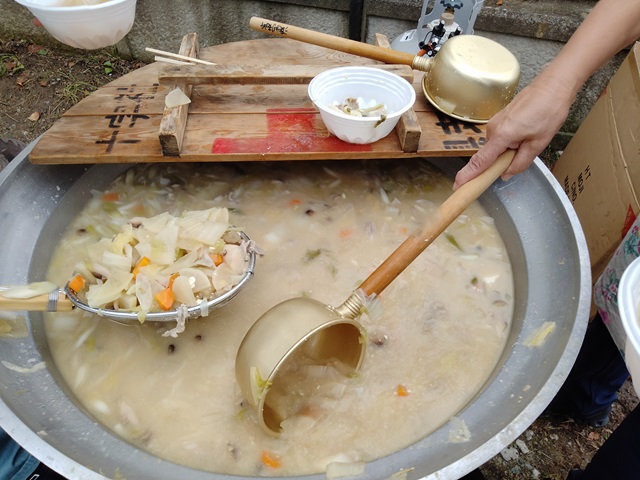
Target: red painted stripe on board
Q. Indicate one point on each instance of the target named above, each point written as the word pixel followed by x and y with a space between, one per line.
pixel 288 131
pixel 285 144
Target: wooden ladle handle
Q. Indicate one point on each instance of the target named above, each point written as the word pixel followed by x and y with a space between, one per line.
pixel 434 226
pixel 366 50
pixel 56 301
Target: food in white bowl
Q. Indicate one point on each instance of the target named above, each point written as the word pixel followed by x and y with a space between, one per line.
pixel 89 24
pixel 323 228
pixel 358 107
pixel 330 88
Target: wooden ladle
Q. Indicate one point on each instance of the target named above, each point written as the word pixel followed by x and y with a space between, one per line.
pixel 322 332
pixel 353 47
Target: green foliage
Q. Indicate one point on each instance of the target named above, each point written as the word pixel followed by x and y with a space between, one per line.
pixel 9 64
pixel 77 90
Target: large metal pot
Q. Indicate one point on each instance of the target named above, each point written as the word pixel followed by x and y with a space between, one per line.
pixel 552 283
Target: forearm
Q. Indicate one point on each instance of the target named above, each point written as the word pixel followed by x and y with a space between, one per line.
pixel 609 27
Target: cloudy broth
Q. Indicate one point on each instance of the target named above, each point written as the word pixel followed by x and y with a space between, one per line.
pixel 323 228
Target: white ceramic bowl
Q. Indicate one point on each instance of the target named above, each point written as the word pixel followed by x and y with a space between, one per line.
pixel 90 27
pixel 369 83
pixel 629 304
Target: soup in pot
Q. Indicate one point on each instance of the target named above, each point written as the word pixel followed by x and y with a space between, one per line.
pixel 434 335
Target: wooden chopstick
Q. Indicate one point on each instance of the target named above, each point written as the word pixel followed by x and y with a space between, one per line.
pixel 171 61
pixel 181 57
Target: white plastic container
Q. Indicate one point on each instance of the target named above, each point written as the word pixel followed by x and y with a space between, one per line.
pixel 629 305
pixel 369 83
pixel 91 26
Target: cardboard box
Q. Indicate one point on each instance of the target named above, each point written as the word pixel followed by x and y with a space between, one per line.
pixel 600 168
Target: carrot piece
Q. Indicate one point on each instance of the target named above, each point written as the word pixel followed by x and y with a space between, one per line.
pixel 404 230
pixel 166 298
pixel 402 391
pixel 143 262
pixel 271 460
pixel 294 202
pixel 345 233
pixel 77 283
pixel 217 258
pixel 110 197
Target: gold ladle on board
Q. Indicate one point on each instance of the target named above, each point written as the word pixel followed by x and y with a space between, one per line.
pixel 326 334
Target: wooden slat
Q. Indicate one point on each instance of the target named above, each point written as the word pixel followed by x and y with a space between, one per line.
pixel 409 131
pixel 212 99
pixel 408 127
pixel 255 74
pixel 174 120
pixel 381 40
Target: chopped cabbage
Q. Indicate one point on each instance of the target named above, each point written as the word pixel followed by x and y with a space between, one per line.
pixel 183 292
pixel 164 255
pixel 101 295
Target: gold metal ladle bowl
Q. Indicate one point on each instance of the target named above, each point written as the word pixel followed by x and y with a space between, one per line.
pixel 471 78
pixel 296 326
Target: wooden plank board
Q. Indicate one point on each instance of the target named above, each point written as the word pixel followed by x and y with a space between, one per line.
pixel 174 120
pixel 119 123
pixel 279 135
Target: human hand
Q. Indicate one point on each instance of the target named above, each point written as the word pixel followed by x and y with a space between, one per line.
pixel 526 125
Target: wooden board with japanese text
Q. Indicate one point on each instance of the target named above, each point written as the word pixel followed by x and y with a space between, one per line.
pixel 119 123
